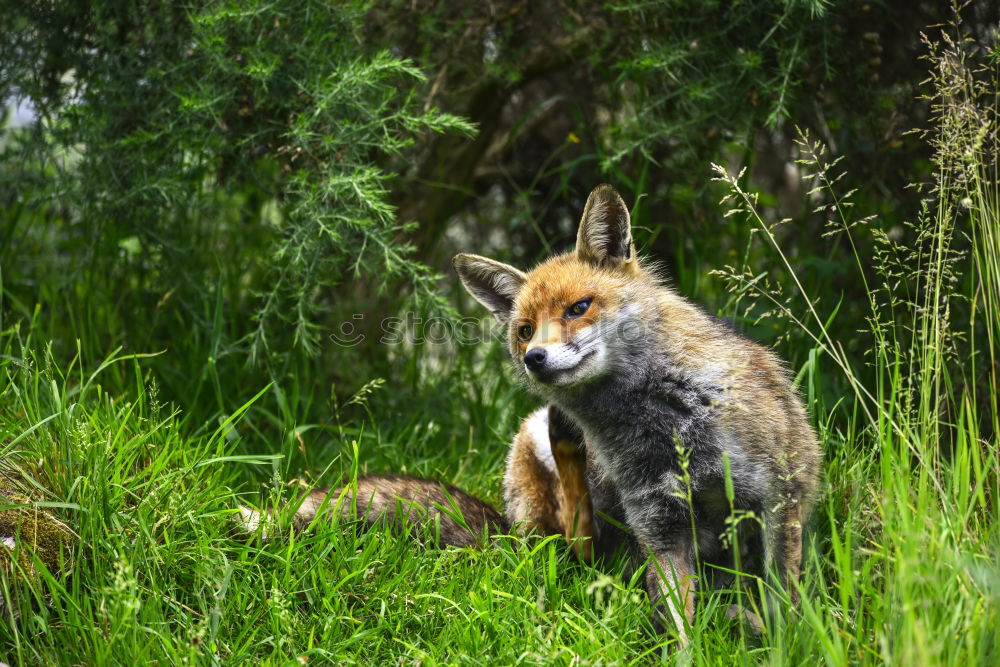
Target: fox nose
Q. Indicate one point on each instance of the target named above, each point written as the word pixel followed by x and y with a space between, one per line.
pixel 534 358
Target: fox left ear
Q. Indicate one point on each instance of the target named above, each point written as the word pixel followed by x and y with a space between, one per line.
pixel 493 284
pixel 605 236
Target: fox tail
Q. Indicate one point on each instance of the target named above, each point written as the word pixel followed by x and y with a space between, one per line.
pixel 459 519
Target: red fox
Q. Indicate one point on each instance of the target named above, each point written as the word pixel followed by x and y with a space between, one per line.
pixel 653 403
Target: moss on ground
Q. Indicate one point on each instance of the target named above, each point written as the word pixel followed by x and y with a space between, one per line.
pixel 28 535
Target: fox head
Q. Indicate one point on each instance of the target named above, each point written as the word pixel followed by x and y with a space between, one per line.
pixel 575 317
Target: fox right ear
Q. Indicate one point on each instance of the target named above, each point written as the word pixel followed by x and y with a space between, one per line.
pixel 605 236
pixel 493 284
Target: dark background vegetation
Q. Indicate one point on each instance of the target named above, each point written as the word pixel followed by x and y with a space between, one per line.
pixel 229 183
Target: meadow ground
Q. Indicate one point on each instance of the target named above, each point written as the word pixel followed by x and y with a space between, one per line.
pixel 900 563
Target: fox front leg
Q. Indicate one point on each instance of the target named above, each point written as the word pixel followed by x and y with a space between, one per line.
pixel 575 516
pixel 531 480
pixel 661 523
pixel 670 583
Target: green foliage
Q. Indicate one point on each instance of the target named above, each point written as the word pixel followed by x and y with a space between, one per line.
pixel 925 426
pixel 211 183
pixel 213 147
pixel 722 66
pixel 254 171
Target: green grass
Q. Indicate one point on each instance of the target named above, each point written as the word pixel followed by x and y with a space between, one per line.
pixel 900 564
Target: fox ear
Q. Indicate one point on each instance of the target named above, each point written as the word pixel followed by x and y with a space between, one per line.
pixel 605 236
pixel 493 284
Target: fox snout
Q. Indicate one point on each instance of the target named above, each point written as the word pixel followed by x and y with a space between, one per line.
pixel 535 359
pixel 561 363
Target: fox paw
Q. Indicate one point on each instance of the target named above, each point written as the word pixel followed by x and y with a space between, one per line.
pixel 751 619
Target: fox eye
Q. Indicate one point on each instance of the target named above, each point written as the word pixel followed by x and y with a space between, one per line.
pixel 577 309
pixel 525 332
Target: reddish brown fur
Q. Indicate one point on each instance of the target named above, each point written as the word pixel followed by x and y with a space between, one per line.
pixel 534 503
pixel 549 498
pixel 575 515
